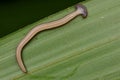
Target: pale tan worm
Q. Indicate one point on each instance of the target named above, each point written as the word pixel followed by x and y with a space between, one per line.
pixel 80 10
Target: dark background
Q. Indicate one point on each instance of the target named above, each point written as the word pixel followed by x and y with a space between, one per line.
pixel 15 14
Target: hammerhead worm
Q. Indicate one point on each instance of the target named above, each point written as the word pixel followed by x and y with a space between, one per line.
pixel 80 10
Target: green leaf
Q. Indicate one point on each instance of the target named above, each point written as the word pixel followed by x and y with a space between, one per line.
pixel 83 49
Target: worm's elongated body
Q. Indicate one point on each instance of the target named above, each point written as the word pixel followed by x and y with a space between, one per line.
pixel 81 10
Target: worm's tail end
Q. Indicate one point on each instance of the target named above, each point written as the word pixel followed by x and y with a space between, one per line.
pixel 19 60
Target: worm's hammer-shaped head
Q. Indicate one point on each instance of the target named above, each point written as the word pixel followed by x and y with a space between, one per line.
pixel 82 9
